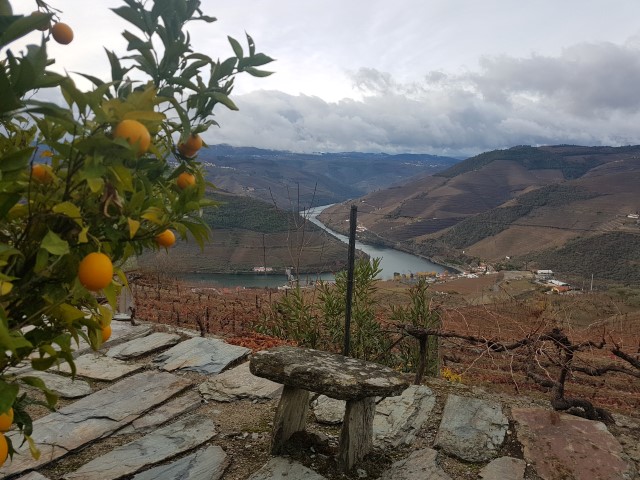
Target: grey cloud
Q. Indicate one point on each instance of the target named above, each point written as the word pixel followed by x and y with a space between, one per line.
pixel 587 95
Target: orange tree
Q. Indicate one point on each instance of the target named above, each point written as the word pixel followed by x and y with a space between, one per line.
pixel 95 173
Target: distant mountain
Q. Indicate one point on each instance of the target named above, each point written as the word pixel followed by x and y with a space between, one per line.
pixel 297 180
pixel 530 204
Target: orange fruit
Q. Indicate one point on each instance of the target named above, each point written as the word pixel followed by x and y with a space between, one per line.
pixel 40 173
pixel 6 419
pixel 4 449
pixel 106 333
pixel 38 14
pixel 166 238
pixel 62 33
pixel 133 132
pixel 186 180
pixel 186 152
pixel 191 146
pixel 95 271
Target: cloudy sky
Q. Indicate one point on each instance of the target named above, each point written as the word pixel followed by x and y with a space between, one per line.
pixel 451 77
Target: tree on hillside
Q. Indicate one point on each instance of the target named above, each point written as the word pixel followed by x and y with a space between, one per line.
pixel 103 175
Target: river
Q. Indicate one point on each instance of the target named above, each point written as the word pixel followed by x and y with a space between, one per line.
pixel 391 261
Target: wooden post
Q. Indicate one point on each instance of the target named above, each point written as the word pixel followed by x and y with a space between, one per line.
pixel 356 437
pixel 291 416
pixel 351 267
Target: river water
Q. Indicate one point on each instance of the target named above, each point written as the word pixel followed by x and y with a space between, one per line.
pixel 390 261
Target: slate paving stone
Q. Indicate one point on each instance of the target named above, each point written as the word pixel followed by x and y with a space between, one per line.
pixel 158 446
pixel 239 383
pixel 142 346
pixel 420 465
pixel 504 468
pixel 101 367
pixel 328 410
pixel 558 444
pixel 32 476
pixel 120 332
pixel 279 468
pixel 207 356
pixel 93 417
pixel 471 429
pixel 398 419
pixel 205 464
pixel 176 406
pixel 64 387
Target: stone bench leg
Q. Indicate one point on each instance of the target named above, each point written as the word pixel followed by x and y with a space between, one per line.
pixel 356 437
pixel 291 416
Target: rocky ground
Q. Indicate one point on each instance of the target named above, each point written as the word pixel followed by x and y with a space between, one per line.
pixel 159 402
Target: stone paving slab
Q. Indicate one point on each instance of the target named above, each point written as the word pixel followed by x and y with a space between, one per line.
pixel 207 356
pixel 398 419
pixel 101 367
pixel 420 465
pixel 327 410
pixel 65 387
pixel 205 464
pixel 93 417
pixel 279 468
pixel 504 468
pixel 239 383
pixel 33 476
pixel 471 429
pixel 120 332
pixel 142 346
pixel 158 446
pixel 558 443
pixel 176 406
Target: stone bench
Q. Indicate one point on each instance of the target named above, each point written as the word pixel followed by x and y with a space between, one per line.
pixel 302 370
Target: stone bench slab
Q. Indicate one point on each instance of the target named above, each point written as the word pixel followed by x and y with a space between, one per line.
pixel 336 376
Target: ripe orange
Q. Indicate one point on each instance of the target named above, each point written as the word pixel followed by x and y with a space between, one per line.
pixel 95 271
pixel 40 173
pixel 186 180
pixel 106 333
pixel 186 152
pixel 38 14
pixel 6 419
pixel 4 449
pixel 133 132
pixel 191 146
pixel 62 33
pixel 166 238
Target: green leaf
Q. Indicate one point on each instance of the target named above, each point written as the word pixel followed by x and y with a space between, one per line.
pixel 55 245
pixel 36 382
pixel 111 294
pixel 42 364
pixel 132 16
pixel 33 449
pixel 134 225
pixel 69 209
pixel 21 26
pixel 8 394
pixel 237 48
pixel 223 99
pixel 257 73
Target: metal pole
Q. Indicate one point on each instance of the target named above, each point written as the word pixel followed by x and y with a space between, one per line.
pixel 351 259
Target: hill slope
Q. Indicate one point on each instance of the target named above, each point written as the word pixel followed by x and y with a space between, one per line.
pixel 295 180
pixel 516 203
pixel 249 233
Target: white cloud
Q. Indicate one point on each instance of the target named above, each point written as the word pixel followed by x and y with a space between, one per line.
pixel 586 95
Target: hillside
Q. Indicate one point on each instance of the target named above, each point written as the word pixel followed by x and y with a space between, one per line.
pixel 295 180
pixel 524 203
pixel 249 233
